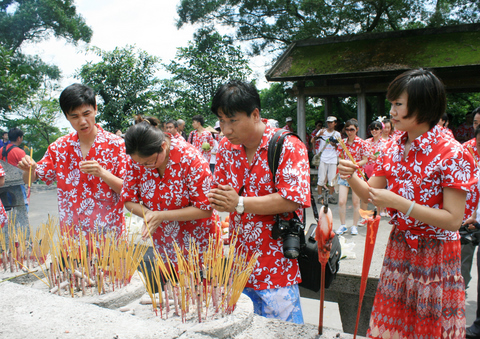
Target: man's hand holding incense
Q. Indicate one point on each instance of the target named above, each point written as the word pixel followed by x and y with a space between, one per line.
pixel 224 198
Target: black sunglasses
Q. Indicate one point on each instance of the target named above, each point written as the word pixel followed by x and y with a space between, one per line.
pixel 375 128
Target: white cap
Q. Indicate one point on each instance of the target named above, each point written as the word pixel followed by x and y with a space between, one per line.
pixel 288 119
pixel 331 118
pixel 217 125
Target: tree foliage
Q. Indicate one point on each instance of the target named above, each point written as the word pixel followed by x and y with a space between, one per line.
pixel 32 21
pixel 126 82
pixel 198 69
pixel 35 20
pixel 276 23
pixel 37 118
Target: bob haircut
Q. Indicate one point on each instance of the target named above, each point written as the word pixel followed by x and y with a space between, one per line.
pixel 235 96
pixel 426 95
pixel 76 95
pixel 143 139
pixel 351 122
pixel 376 124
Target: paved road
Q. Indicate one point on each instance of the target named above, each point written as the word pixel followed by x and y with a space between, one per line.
pixel 43 202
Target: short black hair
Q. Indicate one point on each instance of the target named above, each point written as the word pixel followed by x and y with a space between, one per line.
pixel 236 96
pixel 14 134
pixel 427 99
pixel 376 124
pixel 76 95
pixel 173 121
pixel 351 122
pixel 143 139
pixel 199 118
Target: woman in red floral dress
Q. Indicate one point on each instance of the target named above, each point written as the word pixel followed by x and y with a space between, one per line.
pixel 169 179
pixel 421 290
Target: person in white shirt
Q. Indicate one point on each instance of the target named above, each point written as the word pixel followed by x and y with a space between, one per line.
pixel 327 170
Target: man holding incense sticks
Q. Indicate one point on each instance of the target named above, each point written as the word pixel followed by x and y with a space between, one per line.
pixel 247 189
pixel 88 166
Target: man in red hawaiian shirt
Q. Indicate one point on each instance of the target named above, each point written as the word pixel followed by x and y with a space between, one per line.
pixel 247 189
pixel 200 137
pixel 88 166
pixel 172 127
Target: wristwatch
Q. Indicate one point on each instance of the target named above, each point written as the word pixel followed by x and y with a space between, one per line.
pixel 240 208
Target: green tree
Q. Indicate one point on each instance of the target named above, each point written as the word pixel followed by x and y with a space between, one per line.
pixel 36 20
pixel 32 20
pixel 126 82
pixel 37 118
pixel 277 23
pixel 209 61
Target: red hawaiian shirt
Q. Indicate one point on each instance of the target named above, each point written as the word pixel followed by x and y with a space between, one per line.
pixel 472 144
pixel 197 140
pixel 178 136
pixel 432 163
pixel 3 214
pixel 374 147
pixel 292 181
pixel 85 201
pixel 358 149
pixel 464 132
pixel 186 182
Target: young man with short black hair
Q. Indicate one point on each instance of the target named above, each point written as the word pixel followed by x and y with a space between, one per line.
pixel 88 166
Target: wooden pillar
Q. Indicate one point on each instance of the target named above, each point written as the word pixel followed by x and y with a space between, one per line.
pixel 301 119
pixel 328 108
pixel 361 111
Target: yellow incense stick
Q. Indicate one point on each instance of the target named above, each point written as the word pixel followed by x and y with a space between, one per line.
pixel 347 152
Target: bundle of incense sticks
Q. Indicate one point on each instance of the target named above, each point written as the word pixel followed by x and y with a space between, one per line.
pixel 22 249
pixel 218 281
pixel 74 261
pixel 101 260
pixel 347 152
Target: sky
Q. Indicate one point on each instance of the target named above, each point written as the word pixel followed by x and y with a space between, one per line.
pixel 148 24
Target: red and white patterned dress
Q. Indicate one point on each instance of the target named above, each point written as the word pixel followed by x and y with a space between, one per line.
pixel 358 149
pixel 197 140
pixel 374 148
pixel 85 201
pixel 421 290
pixel 292 179
pixel 178 136
pixel 186 182
pixel 3 214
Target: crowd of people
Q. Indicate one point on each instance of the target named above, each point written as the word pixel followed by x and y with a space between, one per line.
pixel 411 168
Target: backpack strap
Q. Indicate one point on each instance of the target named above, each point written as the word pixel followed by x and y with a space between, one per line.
pixel 275 147
pixel 5 151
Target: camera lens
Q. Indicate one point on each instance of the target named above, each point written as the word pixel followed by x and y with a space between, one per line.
pixel 291 246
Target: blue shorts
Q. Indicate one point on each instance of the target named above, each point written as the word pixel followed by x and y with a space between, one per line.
pixel 280 303
pixel 343 182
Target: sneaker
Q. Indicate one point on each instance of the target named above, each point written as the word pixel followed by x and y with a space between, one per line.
pixel 362 222
pixel 332 200
pixel 353 230
pixel 342 229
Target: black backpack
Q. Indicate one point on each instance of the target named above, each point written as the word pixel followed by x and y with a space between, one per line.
pixel 310 267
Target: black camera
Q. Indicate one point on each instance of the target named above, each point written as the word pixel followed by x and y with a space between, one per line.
pixel 333 139
pixel 292 233
pixel 468 236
